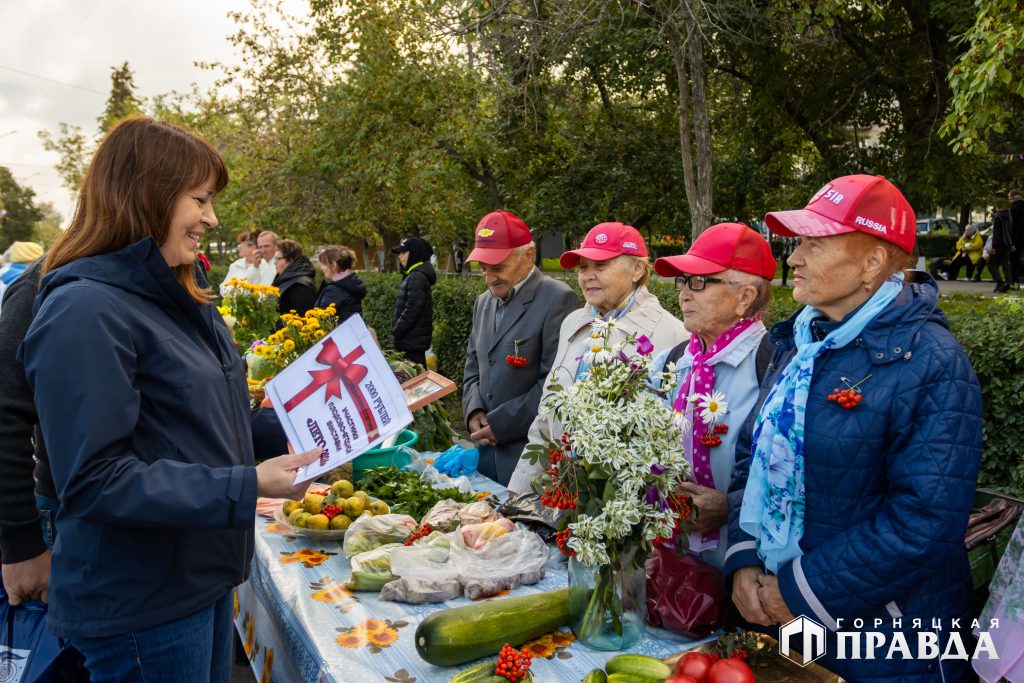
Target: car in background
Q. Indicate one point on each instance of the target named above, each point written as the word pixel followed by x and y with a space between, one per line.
pixel 938 226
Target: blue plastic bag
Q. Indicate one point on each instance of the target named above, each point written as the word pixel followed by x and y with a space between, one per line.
pixel 28 653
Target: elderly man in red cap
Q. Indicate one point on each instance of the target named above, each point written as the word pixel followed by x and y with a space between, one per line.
pixel 513 343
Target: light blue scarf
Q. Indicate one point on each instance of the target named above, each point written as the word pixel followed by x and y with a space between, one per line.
pixel 773 501
pixel 584 367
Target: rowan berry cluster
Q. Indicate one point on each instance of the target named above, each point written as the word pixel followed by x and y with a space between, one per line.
pixel 515 361
pixel 562 539
pixel 513 664
pixel 847 398
pixel 330 511
pixel 711 440
pixel 421 532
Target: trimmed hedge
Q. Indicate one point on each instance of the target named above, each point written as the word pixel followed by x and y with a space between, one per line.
pixel 935 246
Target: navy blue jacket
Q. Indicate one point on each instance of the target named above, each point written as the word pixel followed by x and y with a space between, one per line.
pixel 889 483
pixel 346 294
pixel 144 409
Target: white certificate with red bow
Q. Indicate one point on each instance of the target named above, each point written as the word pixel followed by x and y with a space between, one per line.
pixel 341 396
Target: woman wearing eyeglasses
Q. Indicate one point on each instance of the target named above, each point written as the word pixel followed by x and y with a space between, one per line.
pixel 724 284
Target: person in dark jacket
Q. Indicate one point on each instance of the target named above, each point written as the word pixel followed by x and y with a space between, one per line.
pixel 26 486
pixel 856 473
pixel 1002 241
pixel 149 437
pixel 294 279
pixel 1016 236
pixel 341 287
pixel 414 309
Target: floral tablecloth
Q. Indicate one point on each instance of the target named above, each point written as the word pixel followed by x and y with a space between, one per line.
pixel 298 624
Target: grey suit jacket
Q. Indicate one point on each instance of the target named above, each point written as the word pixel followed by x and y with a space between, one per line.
pixel 510 396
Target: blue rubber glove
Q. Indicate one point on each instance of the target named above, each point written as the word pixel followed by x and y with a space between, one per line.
pixel 447 460
pixel 457 461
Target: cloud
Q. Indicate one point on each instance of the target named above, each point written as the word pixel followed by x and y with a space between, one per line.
pixel 76 43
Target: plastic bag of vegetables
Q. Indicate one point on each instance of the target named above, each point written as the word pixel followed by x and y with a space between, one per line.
pixel 502 563
pixel 372 569
pixel 369 532
pixel 425 575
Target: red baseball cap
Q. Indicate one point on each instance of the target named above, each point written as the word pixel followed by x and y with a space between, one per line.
pixel 497 235
pixel 853 203
pixel 606 241
pixel 722 247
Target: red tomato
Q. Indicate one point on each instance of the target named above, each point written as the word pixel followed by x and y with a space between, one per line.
pixel 695 664
pixel 730 671
pixel 681 678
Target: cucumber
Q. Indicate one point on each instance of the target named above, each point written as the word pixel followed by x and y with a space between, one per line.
pixel 621 677
pixel 365 581
pixel 639 666
pixel 596 676
pixel 462 634
pixel 481 673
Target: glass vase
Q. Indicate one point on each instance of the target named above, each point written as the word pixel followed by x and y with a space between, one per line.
pixel 607 604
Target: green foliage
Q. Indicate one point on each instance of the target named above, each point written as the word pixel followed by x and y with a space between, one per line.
pixel 73 147
pixel 453 321
pixel 47 228
pixel 432 422
pixel 935 246
pixel 992 334
pixel 122 101
pixel 379 304
pixel 22 212
pixel 988 79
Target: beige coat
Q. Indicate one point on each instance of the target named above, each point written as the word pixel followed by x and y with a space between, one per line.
pixel 646 317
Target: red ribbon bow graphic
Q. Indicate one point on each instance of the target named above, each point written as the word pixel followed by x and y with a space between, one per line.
pixel 341 369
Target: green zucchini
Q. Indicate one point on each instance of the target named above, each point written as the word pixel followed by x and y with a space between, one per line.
pixel 596 676
pixel 462 634
pixel 621 677
pixel 638 666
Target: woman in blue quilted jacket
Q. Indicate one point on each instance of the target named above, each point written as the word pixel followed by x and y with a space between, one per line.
pixel 855 476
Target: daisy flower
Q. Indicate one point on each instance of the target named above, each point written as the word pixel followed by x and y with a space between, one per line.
pixel 597 354
pixel 714 408
pixel 680 420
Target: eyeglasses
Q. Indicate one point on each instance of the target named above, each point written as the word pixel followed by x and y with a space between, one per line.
pixel 696 283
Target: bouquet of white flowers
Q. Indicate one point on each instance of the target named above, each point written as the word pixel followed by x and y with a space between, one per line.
pixel 614 470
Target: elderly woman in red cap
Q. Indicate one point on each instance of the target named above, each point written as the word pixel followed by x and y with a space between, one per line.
pixel 613 270
pixel 852 499
pixel 724 284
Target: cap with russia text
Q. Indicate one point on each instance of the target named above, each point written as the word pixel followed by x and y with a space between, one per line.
pixel 606 241
pixel 854 203
pixel 497 235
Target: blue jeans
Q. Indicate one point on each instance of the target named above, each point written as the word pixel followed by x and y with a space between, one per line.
pixel 47 513
pixel 192 649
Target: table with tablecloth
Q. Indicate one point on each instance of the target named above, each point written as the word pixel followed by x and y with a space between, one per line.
pixel 298 624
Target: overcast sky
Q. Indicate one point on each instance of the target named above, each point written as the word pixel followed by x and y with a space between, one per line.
pixel 55 60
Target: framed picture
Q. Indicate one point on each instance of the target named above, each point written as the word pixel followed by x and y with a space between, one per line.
pixel 426 388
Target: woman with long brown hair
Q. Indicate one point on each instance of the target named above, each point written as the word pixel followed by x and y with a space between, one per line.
pixel 143 406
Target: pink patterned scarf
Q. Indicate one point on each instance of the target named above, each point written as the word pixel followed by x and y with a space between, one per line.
pixel 700 379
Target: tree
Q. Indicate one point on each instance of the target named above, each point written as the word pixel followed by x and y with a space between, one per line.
pixel 73 147
pixel 988 79
pixel 48 228
pixel 122 100
pixel 22 213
